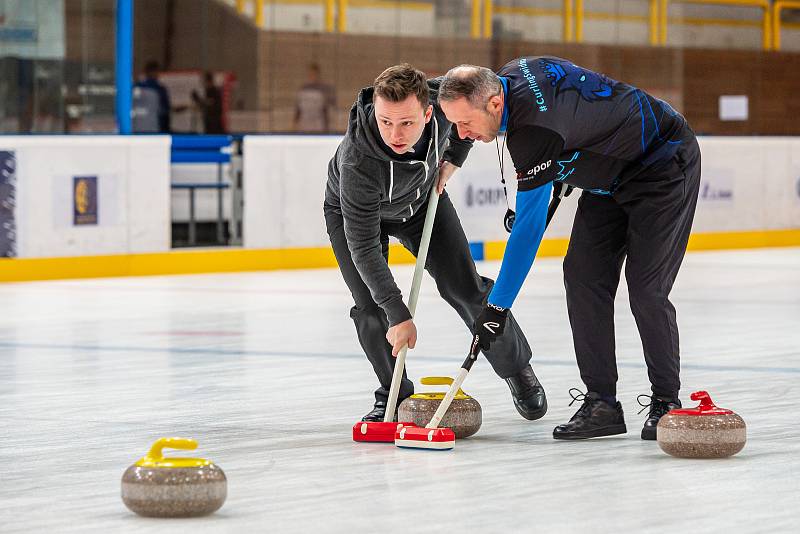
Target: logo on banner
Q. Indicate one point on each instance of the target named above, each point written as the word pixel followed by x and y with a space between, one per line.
pixel 84 205
pixel 484 196
pixel 717 190
pixel 8 204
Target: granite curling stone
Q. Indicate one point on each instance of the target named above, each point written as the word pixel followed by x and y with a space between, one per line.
pixel 464 416
pixel 702 432
pixel 158 486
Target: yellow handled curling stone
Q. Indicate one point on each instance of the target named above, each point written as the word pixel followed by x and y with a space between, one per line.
pixel 464 416
pixel 159 486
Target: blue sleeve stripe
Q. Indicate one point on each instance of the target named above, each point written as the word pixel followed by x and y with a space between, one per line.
pixel 523 243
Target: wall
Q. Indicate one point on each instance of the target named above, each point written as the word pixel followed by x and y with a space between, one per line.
pixel 749 197
pixel 771 81
pixel 692 80
pixel 747 185
pixel 132 195
pixel 606 21
pixel 270 64
pixel 90 30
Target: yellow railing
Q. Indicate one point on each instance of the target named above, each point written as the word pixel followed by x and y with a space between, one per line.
pixel 341 24
pixel 777 7
pixel 573 15
pixel 344 4
pixel 579 21
pixel 481 19
pixel 655 17
pixel 329 18
pixel 488 13
pixel 764 5
pixel 567 19
pixel 259 13
pixel 475 19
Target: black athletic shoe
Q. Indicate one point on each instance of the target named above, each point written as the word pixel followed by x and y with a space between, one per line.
pixel 528 394
pixel 659 407
pixel 593 419
pixel 377 414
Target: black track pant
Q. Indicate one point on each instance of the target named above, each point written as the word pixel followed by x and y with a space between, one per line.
pixel 450 263
pixel 647 224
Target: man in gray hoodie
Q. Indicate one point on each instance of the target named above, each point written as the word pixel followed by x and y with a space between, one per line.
pixel 378 186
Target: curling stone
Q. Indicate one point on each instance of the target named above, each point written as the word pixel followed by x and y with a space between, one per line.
pixel 158 486
pixel 702 432
pixel 463 416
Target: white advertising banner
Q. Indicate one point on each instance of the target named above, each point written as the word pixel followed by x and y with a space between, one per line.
pixel 83 196
pixel 747 184
pixel 284 187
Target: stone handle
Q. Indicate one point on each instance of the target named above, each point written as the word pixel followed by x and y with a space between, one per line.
pixel 156 451
pixel 441 381
pixel 705 400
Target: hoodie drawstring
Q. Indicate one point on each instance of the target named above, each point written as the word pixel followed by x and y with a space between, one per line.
pixel 435 142
pixel 391 179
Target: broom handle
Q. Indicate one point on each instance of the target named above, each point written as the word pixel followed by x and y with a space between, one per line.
pixel 474 349
pixel 454 387
pixel 422 256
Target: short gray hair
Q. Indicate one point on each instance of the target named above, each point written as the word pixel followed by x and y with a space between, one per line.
pixel 476 84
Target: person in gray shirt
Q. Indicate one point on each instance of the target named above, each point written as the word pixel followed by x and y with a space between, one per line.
pixel 378 186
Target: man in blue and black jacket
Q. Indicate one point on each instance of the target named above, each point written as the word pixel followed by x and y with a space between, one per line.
pixel 378 186
pixel 638 164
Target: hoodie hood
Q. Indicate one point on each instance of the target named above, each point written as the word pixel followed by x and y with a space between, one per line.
pixel 365 137
pixel 367 186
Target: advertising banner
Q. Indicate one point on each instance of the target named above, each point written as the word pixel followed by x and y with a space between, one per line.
pixel 8 204
pixel 84 200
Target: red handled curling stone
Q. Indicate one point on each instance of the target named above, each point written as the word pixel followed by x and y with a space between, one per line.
pixel 702 432
pixel 384 431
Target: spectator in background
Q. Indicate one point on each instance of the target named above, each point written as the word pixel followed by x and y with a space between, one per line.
pixel 314 102
pixel 211 105
pixel 152 98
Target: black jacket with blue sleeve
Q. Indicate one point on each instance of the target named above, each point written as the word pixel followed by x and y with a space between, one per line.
pixel 570 124
pixel 565 123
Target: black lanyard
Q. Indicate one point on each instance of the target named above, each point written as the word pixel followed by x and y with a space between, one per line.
pixel 508 219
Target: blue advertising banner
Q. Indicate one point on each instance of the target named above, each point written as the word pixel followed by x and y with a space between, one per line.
pixel 84 200
pixel 8 204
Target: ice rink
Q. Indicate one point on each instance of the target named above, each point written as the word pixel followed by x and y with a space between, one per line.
pixel 265 371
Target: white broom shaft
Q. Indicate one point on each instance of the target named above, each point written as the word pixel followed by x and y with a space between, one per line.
pixel 422 256
pixel 448 399
pixel 422 253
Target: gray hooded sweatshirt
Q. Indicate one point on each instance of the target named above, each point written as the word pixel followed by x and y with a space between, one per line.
pixel 368 186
